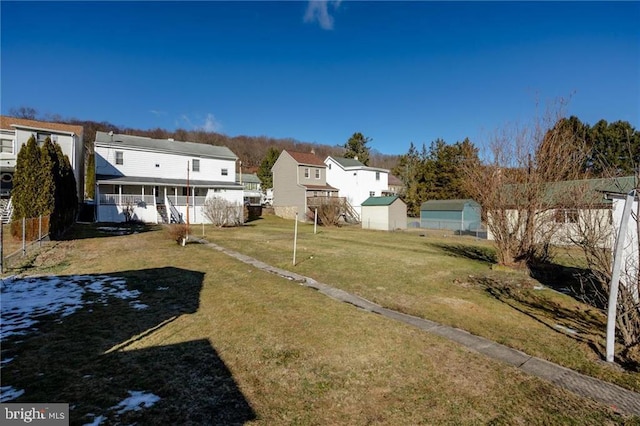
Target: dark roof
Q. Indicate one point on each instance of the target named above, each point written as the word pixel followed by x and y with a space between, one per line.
pixel 348 162
pixel 447 205
pixel 306 158
pixel 11 122
pixel 320 187
pixel 248 178
pixel 582 192
pixel 165 145
pixel 394 181
pixel 133 180
pixel 380 201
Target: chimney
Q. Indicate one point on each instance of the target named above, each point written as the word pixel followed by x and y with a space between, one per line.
pixel 355 157
pixel 313 151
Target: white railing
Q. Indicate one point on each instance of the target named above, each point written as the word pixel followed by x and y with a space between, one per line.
pixel 124 199
pixel 176 217
pixel 181 200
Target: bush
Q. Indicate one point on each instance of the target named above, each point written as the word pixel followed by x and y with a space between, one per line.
pixel 222 212
pixel 177 232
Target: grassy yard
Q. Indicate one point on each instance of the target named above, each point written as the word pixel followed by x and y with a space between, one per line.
pixel 223 343
pixel 443 278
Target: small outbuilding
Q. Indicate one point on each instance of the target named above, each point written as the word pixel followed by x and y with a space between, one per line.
pixel 384 213
pixel 456 215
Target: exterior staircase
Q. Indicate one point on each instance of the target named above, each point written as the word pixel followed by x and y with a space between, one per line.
pixel 6 210
pixel 162 213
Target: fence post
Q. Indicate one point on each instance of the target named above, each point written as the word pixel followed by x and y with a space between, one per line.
pixel 24 237
pixel 40 230
pixel 1 247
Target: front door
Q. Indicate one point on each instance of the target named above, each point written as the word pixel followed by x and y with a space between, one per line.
pixel 159 196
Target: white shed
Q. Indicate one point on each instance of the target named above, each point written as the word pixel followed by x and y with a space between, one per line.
pixel 384 213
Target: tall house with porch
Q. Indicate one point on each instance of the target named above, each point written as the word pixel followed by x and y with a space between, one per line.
pixel 355 181
pixel 161 180
pixel 299 184
pixel 15 132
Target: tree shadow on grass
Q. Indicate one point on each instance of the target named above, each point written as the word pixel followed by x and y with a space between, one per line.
pixel 579 322
pixel 86 358
pixel 482 254
pixel 80 231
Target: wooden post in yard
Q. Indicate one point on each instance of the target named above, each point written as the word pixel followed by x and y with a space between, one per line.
pixel 295 239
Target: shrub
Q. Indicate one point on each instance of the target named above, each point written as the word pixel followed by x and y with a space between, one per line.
pixel 177 232
pixel 222 212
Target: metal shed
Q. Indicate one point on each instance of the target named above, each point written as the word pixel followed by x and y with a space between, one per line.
pixel 384 213
pixel 456 215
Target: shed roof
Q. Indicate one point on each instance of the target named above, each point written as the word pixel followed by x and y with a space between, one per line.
pixel 380 201
pixel 165 145
pixel 306 158
pixel 9 123
pixel 447 205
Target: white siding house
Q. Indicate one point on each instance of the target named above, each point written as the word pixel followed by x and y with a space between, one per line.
pixel 15 132
pixel 161 180
pixel 355 181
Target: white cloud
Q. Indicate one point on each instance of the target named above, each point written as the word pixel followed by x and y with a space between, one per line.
pixel 318 11
pixel 210 124
pixel 157 112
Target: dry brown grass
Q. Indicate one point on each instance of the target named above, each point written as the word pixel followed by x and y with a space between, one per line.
pixel 227 344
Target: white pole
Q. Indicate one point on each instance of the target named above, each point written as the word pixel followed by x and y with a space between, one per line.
pixel 315 222
pixel 615 276
pixel 295 240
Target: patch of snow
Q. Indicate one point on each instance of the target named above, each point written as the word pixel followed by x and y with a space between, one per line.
pixel 538 287
pixel 138 306
pixel 136 401
pixel 162 288
pixel 566 329
pixel 25 299
pixel 96 421
pixel 6 361
pixel 9 393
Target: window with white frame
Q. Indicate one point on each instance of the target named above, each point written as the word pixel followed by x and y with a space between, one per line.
pixel 372 193
pixel 195 165
pixel 377 175
pixel 6 145
pixel 225 172
pixel 119 158
pixel 317 173
pixel 306 172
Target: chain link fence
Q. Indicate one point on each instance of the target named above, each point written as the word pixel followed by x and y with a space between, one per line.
pixel 20 238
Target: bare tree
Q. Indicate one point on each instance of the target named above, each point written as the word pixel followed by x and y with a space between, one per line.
pixel 513 185
pixel 223 212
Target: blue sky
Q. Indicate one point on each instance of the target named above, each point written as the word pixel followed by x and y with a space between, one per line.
pixel 398 72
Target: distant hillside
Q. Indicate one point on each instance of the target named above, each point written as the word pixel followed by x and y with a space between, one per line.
pixel 250 149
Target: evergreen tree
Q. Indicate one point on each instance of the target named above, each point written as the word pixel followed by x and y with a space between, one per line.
pixel 90 181
pixel 25 193
pixel 264 171
pixel 614 148
pixel 356 147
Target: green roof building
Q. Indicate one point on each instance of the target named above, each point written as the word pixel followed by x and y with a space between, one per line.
pixel 456 215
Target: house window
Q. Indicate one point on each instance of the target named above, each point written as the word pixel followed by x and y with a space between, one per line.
pixel 6 145
pixel 41 137
pixel 225 172
pixel 119 158
pixel 195 165
pixel 306 172
pixel 372 193
pixel 317 173
pixel 566 216
pixel 377 175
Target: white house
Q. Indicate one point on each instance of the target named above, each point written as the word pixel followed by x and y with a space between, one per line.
pixel 252 185
pixel 161 180
pixel 355 181
pixel 15 132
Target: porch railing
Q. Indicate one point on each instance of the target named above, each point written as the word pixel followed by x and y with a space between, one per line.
pixel 176 217
pixel 124 199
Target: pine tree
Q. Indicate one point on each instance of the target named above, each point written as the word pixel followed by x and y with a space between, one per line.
pixel 25 193
pixel 356 147
pixel 264 171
